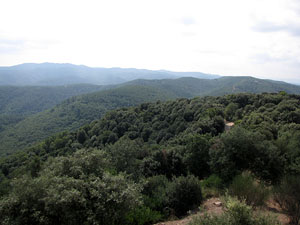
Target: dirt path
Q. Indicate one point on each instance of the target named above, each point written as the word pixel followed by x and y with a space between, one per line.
pixel 209 207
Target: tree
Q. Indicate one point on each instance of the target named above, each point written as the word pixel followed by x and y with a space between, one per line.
pixel 196 155
pixel 230 111
pixel 73 190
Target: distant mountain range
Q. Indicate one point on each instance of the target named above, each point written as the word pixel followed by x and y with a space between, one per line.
pixel 53 74
pixel 191 87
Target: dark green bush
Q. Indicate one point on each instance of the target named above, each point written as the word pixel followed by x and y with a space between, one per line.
pixel 212 186
pixel 245 187
pixel 287 195
pixel 155 192
pixel 71 190
pixel 213 181
pixel 184 194
pixel 142 216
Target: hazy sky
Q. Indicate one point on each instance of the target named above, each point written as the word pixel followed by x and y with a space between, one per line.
pixel 260 38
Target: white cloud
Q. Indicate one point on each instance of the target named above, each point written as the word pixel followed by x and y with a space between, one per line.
pixel 225 37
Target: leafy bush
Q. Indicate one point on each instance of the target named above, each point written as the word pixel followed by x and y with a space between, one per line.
pixel 287 195
pixel 237 213
pixel 184 194
pixel 213 181
pixel 71 190
pixel 212 186
pixel 4 185
pixel 155 192
pixel 245 187
pixel 142 216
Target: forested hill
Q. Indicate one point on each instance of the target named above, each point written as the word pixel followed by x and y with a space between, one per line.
pixel 17 133
pixel 32 99
pixel 64 74
pixel 136 162
pixel 191 87
pixel 73 113
pixel 17 103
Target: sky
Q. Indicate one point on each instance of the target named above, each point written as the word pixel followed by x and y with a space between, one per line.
pixel 259 38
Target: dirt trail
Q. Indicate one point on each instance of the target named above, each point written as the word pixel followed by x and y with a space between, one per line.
pixel 210 208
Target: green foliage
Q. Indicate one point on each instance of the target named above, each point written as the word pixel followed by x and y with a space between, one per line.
pixel 28 100
pixel 245 187
pixel 4 185
pixel 184 193
pixel 142 216
pixel 237 213
pixel 230 111
pixel 154 145
pixel 34 166
pixel 19 130
pixel 212 186
pixel 197 155
pixel 213 181
pixel 174 197
pixel 74 113
pixel 262 142
pixel 287 195
pixel 241 149
pixel 126 156
pixel 73 190
pixel 289 142
pixel 155 192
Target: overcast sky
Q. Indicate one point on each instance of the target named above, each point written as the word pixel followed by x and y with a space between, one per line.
pixel 259 38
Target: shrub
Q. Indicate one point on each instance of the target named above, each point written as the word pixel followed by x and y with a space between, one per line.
pixel 184 194
pixel 287 195
pixel 71 190
pixel 155 192
pixel 245 187
pixel 237 213
pixel 210 220
pixel 142 216
pixel 212 186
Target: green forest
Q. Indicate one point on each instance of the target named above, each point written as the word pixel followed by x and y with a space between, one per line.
pixel 73 113
pixel 148 163
pixel 31 114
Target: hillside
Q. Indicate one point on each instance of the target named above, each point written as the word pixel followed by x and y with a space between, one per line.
pixel 73 113
pixel 51 74
pixel 191 87
pixel 144 164
pixel 32 99
pixel 17 103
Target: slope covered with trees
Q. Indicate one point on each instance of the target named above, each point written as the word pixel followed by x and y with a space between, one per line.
pixel 73 113
pixel 140 164
pixel 32 99
pixel 190 87
pixel 18 132
pixel 17 103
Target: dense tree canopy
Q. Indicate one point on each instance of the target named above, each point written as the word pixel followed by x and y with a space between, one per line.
pixel 141 161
